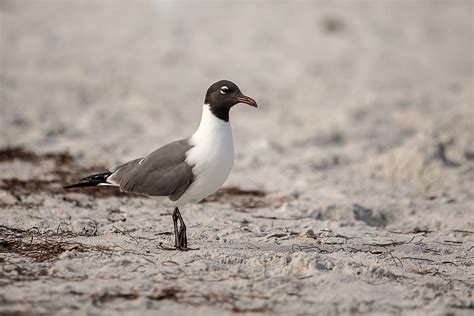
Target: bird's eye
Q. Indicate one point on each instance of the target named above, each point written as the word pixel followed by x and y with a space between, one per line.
pixel 224 89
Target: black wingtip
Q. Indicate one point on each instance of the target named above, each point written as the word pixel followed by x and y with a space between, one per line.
pixel 90 181
pixel 80 185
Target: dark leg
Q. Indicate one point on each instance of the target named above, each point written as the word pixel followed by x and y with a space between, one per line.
pixel 180 238
pixel 175 223
pixel 183 238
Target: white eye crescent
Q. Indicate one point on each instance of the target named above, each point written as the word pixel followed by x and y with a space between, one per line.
pixel 224 89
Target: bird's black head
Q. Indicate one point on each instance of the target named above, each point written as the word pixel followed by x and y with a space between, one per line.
pixel 222 96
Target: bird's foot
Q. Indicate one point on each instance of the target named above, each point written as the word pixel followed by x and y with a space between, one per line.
pixel 185 249
pixel 162 247
pixel 182 242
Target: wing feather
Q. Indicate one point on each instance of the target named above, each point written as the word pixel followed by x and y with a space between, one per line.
pixel 162 173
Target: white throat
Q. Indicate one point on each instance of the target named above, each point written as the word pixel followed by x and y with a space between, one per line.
pixel 211 156
pixel 211 125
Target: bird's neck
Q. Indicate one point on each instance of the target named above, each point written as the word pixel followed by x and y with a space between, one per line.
pixel 212 126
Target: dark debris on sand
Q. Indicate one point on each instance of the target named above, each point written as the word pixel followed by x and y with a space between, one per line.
pixel 66 170
pixel 40 245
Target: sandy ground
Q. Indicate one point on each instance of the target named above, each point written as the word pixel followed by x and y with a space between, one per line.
pixel 352 190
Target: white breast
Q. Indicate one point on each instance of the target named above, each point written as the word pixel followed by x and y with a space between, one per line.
pixel 212 156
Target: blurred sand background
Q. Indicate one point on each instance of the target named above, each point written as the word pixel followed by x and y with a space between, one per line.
pixel 351 193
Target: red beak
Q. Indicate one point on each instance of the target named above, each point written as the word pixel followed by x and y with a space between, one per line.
pixel 246 100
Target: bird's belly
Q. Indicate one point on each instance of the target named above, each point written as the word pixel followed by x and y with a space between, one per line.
pixel 213 177
pixel 210 174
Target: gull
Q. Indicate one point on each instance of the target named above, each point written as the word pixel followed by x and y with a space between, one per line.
pixel 187 170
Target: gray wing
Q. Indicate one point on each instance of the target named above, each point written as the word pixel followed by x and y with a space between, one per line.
pixel 118 173
pixel 164 172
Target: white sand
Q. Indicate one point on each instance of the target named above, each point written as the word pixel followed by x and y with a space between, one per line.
pixel 364 142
